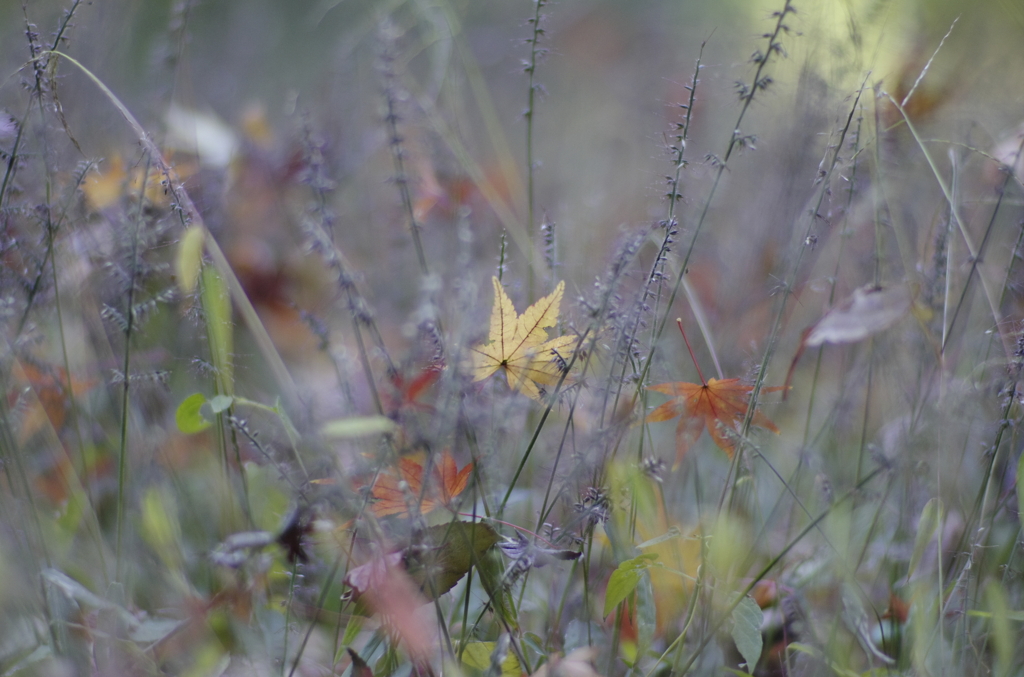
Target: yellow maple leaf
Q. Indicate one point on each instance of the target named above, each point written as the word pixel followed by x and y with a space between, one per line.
pixel 519 346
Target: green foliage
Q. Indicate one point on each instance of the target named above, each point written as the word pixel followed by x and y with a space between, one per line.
pixel 189 417
pixel 480 656
pixel 931 517
pixel 451 549
pixel 624 580
pixel 746 631
pixel 220 329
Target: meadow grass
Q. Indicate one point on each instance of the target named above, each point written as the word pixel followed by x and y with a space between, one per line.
pixel 266 412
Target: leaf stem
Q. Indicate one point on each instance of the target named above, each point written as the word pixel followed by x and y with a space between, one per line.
pixel 679 323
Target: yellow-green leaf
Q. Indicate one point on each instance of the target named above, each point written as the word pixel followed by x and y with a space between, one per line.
pixel 931 517
pixel 188 417
pixel 1002 635
pixel 217 307
pixel 478 655
pixel 358 426
pixel 189 260
pixel 624 580
pixel 456 547
pixel 160 527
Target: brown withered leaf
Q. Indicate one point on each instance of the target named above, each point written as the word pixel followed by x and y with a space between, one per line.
pixel 867 311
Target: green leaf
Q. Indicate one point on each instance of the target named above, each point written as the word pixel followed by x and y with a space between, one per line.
pixel 492 575
pixel 478 655
pixel 931 515
pixel 220 403
pixel 153 630
pixel 352 630
pixel 220 330
pixel 448 552
pixel 189 261
pixel 188 417
pixel 160 527
pixel 1010 615
pixel 1002 635
pixel 624 580
pixel 646 616
pixel 359 426
pixel 746 631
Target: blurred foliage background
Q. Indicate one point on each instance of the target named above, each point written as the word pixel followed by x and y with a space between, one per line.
pixel 265 106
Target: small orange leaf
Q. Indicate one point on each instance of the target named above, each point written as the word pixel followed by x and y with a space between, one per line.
pixel 447 482
pixel 408 390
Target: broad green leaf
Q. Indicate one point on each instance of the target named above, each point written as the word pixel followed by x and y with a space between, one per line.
pixel 359 426
pixel 188 417
pixel 450 550
pixel 624 580
pixel 478 655
pixel 746 631
pixel 220 330
pixel 931 516
pixel 189 261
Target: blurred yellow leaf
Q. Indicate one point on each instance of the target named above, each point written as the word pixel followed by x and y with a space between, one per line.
pixel 103 189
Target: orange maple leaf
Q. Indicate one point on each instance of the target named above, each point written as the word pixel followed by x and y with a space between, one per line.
pixel 50 402
pixel 715 404
pixel 408 389
pixel 447 482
